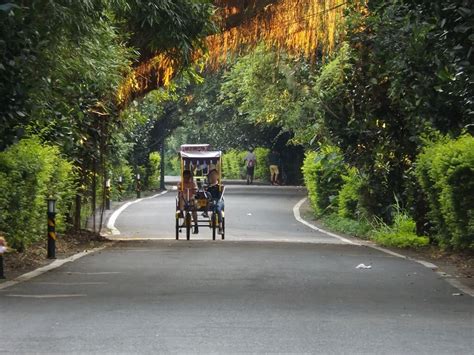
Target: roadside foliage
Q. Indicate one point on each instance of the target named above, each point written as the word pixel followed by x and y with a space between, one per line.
pixel 379 127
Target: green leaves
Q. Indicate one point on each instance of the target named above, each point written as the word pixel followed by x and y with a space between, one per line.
pixel 445 170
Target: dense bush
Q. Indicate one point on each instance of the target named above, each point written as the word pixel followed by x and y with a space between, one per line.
pixel 348 198
pixel 323 172
pixel 445 171
pixel 234 167
pixel 261 169
pixel 232 164
pixel 29 174
pixel 128 182
pixel 154 170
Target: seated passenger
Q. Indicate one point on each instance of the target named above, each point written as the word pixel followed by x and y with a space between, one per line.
pixel 186 191
pixel 215 192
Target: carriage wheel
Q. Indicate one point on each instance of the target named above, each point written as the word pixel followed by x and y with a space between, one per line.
pixel 188 225
pixel 177 226
pixel 223 227
pixel 214 225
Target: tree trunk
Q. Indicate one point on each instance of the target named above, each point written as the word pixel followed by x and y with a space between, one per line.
pixel 94 193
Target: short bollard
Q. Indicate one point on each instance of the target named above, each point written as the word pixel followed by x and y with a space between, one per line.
pixel 52 229
pixel 107 194
pixel 139 187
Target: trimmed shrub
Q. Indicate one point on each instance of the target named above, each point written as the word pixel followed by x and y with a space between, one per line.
pixel 348 198
pixel 445 171
pixel 234 166
pixel 29 174
pixel 154 171
pixel 322 173
pixel 262 171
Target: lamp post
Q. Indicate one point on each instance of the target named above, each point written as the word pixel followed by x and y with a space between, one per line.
pixel 51 228
pixel 107 194
pixel 139 187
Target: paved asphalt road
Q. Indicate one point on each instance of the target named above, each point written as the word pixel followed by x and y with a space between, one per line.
pixel 250 293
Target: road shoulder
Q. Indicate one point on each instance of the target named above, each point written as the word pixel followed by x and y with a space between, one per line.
pixel 455 268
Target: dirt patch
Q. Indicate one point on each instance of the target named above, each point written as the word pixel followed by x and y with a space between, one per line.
pixel 34 256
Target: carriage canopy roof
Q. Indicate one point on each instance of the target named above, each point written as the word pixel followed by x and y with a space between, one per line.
pixel 201 155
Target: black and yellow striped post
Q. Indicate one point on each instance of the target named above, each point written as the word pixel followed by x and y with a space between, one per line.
pixel 52 229
pixel 139 186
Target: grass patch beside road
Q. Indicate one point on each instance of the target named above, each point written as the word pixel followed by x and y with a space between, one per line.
pixel 360 228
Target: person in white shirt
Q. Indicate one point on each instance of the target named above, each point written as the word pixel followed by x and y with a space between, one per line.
pixel 250 163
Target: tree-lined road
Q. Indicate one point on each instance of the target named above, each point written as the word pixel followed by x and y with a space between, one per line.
pixel 253 292
pixel 252 213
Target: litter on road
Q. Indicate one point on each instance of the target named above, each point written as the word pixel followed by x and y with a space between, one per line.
pixel 363 266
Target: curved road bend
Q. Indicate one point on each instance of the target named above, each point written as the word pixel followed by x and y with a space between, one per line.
pixel 253 213
pixel 245 294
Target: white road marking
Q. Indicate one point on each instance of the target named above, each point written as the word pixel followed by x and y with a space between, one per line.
pixel 296 212
pixel 55 264
pixel 113 218
pixel 91 273
pixel 47 296
pixel 70 283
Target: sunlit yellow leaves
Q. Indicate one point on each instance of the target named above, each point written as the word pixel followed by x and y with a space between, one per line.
pixel 297 26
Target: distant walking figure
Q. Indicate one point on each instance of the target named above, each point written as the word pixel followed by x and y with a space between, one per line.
pixel 250 162
pixel 274 161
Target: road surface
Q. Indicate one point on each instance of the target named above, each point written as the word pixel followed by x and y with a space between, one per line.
pixel 273 286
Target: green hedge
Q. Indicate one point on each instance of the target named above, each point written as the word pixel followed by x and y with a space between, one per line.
pixel 348 199
pixel 322 173
pixel 262 171
pixel 445 171
pixel 234 166
pixel 29 174
pixel 154 178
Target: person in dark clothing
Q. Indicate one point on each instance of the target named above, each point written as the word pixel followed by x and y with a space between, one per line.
pixel 274 162
pixel 216 193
